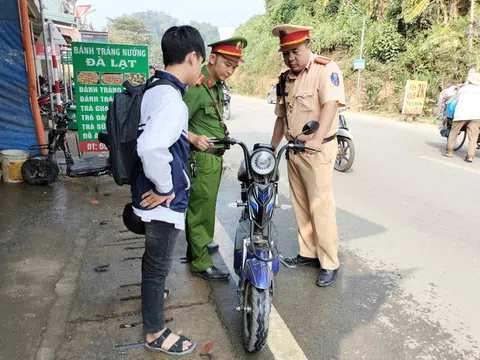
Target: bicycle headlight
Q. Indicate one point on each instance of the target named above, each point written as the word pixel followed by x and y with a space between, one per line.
pixel 263 162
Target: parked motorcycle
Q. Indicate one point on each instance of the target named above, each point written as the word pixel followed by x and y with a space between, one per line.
pixel 346 149
pixel 43 169
pixel 272 95
pixel 256 257
pixel 226 102
pixel 45 99
pixel 44 103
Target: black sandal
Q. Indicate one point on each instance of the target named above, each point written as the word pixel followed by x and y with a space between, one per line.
pixel 176 349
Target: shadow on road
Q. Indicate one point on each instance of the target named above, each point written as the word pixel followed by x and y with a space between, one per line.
pixel 441 148
pixel 324 320
pixel 352 227
pixel 319 319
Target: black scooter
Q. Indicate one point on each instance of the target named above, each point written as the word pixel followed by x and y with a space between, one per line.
pixel 43 169
pixel 256 258
pixel 226 102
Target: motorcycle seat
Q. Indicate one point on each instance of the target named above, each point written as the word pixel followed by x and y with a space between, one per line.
pixel 44 99
pixel 91 165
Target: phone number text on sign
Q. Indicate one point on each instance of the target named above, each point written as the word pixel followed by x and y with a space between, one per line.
pixel 86 146
pixel 100 70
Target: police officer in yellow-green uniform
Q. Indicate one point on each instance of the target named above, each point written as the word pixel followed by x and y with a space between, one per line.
pixel 313 90
pixel 205 112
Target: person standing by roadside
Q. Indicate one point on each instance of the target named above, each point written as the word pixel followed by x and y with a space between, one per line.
pixel 151 70
pixel 160 192
pixel 467 114
pixel 205 112
pixel 313 90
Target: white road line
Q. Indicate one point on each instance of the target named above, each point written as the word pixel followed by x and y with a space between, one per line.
pixel 281 342
pixel 451 164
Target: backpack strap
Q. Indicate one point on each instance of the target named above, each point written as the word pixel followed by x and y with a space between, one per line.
pixel 162 81
pixel 129 87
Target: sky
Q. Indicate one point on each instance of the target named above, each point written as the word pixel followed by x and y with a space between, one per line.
pixel 222 13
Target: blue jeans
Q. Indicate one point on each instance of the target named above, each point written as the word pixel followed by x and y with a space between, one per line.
pixel 160 238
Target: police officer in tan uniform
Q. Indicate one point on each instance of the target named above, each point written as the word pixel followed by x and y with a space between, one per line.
pixel 313 90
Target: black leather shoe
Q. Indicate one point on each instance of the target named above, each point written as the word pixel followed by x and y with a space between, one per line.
pixel 213 273
pixel 212 247
pixel 326 277
pixel 303 261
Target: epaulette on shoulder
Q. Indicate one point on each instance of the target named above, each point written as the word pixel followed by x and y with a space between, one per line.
pixel 200 80
pixel 322 60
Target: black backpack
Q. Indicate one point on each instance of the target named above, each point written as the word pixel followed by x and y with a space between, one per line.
pixel 123 119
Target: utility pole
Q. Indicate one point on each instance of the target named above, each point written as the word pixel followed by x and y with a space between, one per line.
pixel 47 64
pixel 470 32
pixel 361 44
pixel 55 68
pixel 361 56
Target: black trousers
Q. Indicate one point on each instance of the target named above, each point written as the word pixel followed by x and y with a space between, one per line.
pixel 160 238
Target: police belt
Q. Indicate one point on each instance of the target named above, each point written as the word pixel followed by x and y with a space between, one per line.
pixel 326 140
pixel 213 151
pixel 330 138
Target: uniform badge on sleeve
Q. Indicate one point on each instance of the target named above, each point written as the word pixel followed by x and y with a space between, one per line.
pixel 335 79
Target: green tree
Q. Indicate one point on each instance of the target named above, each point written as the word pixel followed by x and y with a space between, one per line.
pixel 148 28
pixel 157 22
pixel 155 55
pixel 128 30
pixel 384 43
pixel 209 33
pixel 446 10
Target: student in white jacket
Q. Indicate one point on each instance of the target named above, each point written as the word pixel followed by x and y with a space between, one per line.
pixel 160 193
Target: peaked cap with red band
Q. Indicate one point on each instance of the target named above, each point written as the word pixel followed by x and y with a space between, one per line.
pixel 291 35
pixel 231 47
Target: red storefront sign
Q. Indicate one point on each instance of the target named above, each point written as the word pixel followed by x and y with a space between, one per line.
pixel 40 50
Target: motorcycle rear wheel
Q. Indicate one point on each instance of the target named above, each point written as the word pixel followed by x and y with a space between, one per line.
pixel 345 155
pixel 226 112
pixel 256 317
pixel 39 171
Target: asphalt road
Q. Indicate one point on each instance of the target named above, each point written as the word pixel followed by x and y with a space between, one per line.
pixel 44 231
pixel 409 285
pixel 408 218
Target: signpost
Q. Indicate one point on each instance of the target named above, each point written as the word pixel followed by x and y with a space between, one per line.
pixel 415 92
pixel 94 36
pixel 358 64
pixel 361 46
pixel 99 71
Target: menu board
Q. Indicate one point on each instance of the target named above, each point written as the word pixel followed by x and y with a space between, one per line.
pixel 99 72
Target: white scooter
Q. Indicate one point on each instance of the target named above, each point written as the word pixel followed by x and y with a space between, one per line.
pixel 226 101
pixel 346 149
